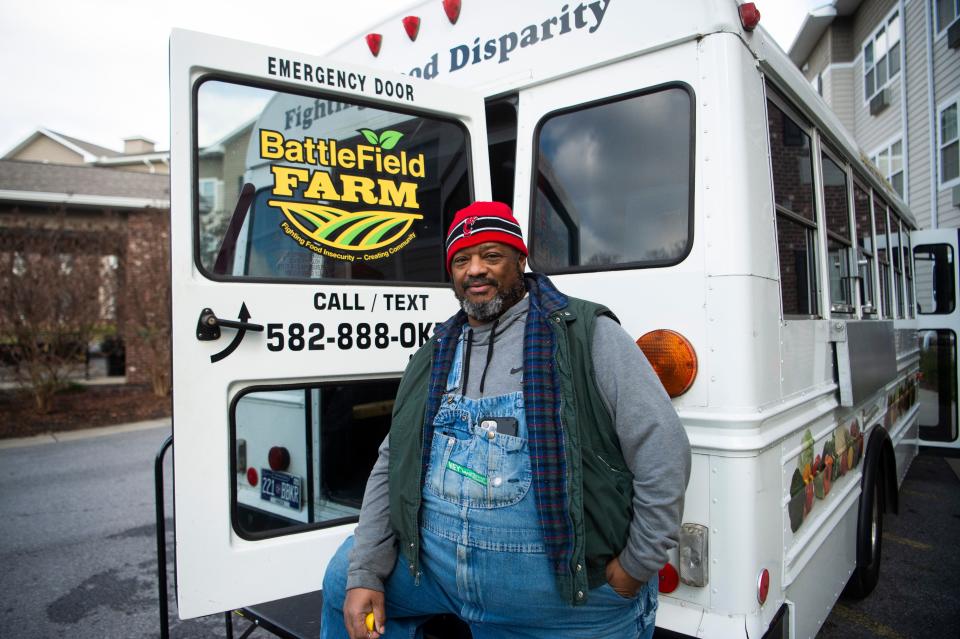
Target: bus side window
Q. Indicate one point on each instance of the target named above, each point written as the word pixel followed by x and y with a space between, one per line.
pixel 865 250
pixel 908 270
pixel 883 255
pixel 613 183
pixel 502 146
pixel 897 263
pixel 839 238
pixel 792 167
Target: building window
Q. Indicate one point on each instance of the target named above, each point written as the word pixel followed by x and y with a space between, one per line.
pixel 881 57
pixel 209 195
pixel 791 160
pixel 947 13
pixel 949 145
pixel 889 160
pixel 817 83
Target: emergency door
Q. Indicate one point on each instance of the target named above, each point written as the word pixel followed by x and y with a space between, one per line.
pixel 935 260
pixel 309 202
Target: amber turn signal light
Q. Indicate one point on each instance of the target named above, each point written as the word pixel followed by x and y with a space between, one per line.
pixel 672 357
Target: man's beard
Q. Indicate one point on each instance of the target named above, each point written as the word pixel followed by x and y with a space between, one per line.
pixel 492 308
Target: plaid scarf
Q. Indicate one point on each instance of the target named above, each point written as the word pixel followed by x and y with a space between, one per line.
pixel 541 396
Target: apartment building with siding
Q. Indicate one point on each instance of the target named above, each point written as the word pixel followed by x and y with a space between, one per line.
pixel 890 70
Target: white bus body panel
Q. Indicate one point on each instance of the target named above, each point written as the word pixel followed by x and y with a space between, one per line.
pixel 216 569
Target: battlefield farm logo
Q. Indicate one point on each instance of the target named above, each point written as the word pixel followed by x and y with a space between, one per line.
pixel 359 203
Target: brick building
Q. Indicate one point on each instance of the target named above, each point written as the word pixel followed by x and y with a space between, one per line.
pixel 94 193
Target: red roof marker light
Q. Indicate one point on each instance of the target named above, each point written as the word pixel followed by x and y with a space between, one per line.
pixel 374 40
pixel 452 9
pixel 749 16
pixel 411 24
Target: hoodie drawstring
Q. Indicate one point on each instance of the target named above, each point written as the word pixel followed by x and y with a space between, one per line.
pixel 493 336
pixel 466 361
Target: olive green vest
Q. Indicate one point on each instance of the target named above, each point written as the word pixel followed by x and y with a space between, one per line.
pixel 599 486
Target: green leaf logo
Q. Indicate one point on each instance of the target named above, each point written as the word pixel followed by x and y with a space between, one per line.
pixel 389 139
pixel 386 140
pixel 369 135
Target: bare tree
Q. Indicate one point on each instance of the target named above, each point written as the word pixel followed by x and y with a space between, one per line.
pixel 147 301
pixel 57 289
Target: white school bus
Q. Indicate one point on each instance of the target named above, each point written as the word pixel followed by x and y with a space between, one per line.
pixel 668 162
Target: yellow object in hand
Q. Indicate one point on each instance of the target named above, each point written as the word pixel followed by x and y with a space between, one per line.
pixel 369 621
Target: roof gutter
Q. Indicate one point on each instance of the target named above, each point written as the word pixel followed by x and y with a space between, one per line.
pixel 78 199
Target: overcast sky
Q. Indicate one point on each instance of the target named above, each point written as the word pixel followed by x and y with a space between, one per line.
pixel 97 69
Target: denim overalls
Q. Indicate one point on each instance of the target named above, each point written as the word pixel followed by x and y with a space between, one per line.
pixel 482 552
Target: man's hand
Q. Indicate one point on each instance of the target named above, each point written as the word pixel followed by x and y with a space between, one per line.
pixel 358 603
pixel 621 581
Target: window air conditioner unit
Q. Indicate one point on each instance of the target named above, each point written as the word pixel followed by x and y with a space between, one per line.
pixel 880 101
pixel 953 35
pixel 955 196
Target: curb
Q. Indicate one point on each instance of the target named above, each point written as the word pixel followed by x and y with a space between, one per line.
pixel 86 433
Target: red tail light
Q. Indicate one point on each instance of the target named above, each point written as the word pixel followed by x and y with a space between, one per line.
pixel 669 578
pixel 278 458
pixel 252 477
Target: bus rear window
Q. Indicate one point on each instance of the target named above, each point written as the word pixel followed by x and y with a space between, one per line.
pixel 301 187
pixel 614 184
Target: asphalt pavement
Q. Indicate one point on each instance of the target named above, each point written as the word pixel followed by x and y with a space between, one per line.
pixel 78 549
pixel 919 590
pixel 77 538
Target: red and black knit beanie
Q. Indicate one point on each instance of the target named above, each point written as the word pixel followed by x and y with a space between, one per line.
pixel 484 222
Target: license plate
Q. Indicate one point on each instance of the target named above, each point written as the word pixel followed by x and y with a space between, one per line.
pixel 280 488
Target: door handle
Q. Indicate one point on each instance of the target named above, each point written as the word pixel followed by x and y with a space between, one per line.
pixel 208 326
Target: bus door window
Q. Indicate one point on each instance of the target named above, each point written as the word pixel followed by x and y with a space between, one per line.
pixel 934 267
pixel 793 190
pixel 938 385
pixel 865 250
pixel 883 259
pixel 287 184
pixel 613 183
pixel 836 203
pixel 302 455
pixel 502 146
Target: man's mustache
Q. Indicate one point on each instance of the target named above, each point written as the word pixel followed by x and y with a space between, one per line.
pixel 478 281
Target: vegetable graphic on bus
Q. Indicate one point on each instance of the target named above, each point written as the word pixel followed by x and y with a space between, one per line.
pixel 815 476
